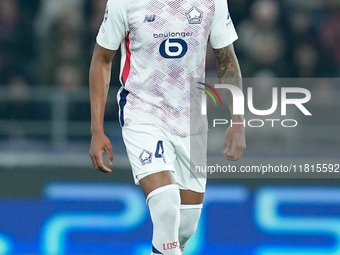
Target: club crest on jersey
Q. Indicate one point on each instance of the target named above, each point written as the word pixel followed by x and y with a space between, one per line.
pixel 194 16
pixel 145 157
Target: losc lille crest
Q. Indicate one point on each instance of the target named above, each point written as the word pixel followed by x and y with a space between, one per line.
pixel 194 16
pixel 145 157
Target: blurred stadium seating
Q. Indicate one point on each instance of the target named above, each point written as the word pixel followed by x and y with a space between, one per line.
pixel 53 202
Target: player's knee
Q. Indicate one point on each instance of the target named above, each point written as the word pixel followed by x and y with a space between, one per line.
pixel 185 233
pixel 190 215
pixel 164 204
pixel 168 210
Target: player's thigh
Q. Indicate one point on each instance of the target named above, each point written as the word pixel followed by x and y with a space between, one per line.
pixel 190 197
pixel 191 152
pixel 151 156
pixel 156 180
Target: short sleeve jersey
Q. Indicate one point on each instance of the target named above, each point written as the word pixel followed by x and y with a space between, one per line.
pixel 163 45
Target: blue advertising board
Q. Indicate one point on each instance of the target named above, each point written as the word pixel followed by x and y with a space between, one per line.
pixel 103 218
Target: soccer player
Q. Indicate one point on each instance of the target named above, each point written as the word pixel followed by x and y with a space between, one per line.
pixel 163 45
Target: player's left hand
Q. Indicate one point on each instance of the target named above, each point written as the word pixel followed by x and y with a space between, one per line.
pixel 234 142
pixel 100 143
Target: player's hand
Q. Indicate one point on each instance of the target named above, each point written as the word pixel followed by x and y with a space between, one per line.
pixel 234 142
pixel 100 143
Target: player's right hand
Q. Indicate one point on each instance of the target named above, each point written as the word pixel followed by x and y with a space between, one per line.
pixel 100 143
pixel 234 142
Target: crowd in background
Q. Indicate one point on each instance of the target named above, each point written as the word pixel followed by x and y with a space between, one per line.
pixel 49 42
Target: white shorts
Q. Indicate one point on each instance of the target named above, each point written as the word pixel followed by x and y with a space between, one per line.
pixel 152 149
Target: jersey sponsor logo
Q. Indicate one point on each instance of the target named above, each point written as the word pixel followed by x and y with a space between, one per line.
pixel 145 157
pixel 173 34
pixel 173 48
pixel 194 15
pixel 149 18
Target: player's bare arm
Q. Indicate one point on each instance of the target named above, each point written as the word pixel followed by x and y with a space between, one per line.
pixel 100 74
pixel 229 72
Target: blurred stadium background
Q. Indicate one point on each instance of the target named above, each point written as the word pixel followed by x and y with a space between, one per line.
pixel 53 202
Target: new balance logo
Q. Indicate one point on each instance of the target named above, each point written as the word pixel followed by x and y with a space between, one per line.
pixel 149 18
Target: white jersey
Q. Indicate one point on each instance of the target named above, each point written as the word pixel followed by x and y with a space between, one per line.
pixel 163 46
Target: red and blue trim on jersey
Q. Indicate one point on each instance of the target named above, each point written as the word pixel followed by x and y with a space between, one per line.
pixel 122 102
pixel 125 74
pixel 127 65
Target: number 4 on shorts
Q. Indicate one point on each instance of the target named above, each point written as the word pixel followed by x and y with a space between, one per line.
pixel 158 148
